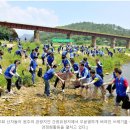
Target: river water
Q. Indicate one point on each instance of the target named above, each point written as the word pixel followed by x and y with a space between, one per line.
pixel 107 108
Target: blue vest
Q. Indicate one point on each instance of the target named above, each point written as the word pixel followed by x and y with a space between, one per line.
pixel 65 62
pixel 50 59
pixel 86 65
pixel 18 52
pixel 83 72
pixel 64 53
pixel 99 82
pixel 120 88
pixel 43 55
pixel 32 55
pixel 71 55
pixel 71 50
pixel 99 69
pixel 75 66
pixel 49 74
pixel 7 72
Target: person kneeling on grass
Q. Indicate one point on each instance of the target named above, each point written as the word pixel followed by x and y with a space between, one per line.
pixel 98 83
pixel 122 88
pixel 49 75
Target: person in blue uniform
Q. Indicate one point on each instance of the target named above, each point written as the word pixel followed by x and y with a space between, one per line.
pixel 49 75
pixel 33 66
pixel 75 67
pixel 99 68
pixel 19 52
pixel 9 73
pixel 66 70
pixel 97 81
pixel 84 77
pixel 121 92
pixel 50 59
pixel 86 63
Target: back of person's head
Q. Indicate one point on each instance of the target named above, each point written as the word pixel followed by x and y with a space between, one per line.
pixel 115 69
pixel 72 61
pixel 92 71
pixel 63 57
pixel 97 59
pixel 119 71
pixel 85 59
pixel 54 66
pixel 36 49
pixel 17 61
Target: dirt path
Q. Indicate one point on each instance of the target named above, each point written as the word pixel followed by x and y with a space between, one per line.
pixel 31 102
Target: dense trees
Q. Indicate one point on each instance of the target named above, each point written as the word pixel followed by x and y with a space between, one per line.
pixel 7 33
pixel 92 27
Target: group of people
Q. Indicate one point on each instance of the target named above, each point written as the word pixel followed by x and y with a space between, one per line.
pixel 85 74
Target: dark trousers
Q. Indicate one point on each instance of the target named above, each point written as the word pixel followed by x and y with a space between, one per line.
pixel 57 80
pixel 47 87
pixel 110 88
pixel 101 75
pixel 43 60
pixel 8 84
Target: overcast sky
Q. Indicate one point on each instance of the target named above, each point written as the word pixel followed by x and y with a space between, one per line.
pixel 62 13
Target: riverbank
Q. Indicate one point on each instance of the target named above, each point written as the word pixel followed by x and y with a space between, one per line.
pixel 30 101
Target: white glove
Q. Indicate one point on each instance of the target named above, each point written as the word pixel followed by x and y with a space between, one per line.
pixel 16 75
pixel 32 69
pixel 0 71
pixel 128 90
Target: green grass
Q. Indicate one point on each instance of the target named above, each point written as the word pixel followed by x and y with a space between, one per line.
pixel 108 62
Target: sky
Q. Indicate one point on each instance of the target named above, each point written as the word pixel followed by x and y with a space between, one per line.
pixel 56 13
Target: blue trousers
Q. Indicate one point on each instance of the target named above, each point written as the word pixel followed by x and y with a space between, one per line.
pixel 47 87
pixel 33 77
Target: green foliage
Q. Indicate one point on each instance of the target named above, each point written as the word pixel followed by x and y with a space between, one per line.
pixel 92 27
pixel 108 62
pixel 6 33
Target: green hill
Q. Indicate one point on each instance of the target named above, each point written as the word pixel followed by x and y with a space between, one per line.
pixel 92 27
